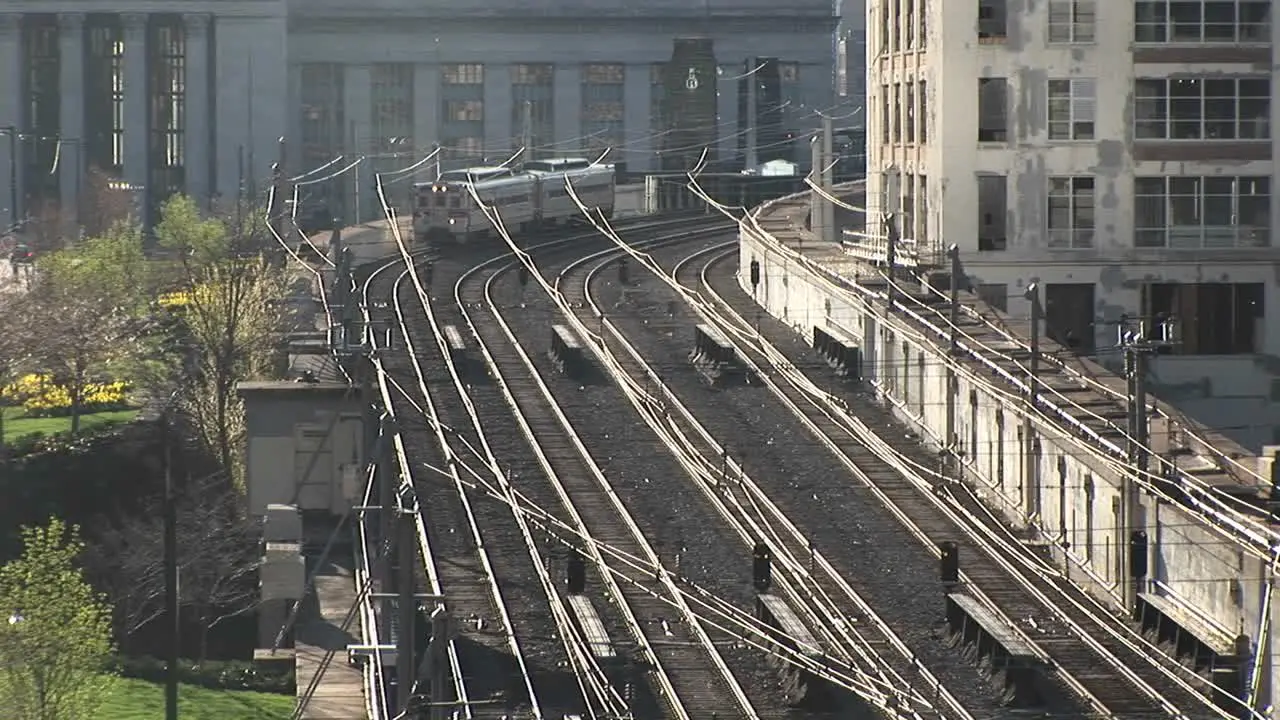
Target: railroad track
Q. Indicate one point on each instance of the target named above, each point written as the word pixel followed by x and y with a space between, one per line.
pixel 482 559
pixel 453 555
pixel 1097 655
pixel 686 669
pixel 866 656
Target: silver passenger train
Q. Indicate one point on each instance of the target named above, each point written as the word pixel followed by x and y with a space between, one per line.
pixel 528 197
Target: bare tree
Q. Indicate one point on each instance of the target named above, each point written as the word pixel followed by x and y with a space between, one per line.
pixel 14 347
pixel 48 227
pixel 103 203
pixel 75 338
pixel 218 560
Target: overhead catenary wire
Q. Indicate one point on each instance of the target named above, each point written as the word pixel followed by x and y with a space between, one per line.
pixel 1238 521
pixel 795 376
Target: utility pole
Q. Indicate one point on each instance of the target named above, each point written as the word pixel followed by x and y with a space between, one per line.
pixel 753 113
pixel 1139 343
pixel 279 184
pixel 949 441
pixel 170 573
pixel 889 219
pixel 15 217
pixel 406 602
pixel 438 661
pixel 1030 446
pixel 827 178
pixel 526 132
pixel 817 203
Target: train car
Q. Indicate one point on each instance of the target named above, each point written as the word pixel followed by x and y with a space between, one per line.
pixel 445 209
pixel 594 185
pixel 532 196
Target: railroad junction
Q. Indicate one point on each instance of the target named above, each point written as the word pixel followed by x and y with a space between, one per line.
pixel 697 466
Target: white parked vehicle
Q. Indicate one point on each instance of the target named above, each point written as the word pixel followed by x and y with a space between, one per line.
pixel 530 197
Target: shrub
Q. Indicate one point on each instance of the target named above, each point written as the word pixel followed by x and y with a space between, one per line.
pixel 40 396
pixel 212 674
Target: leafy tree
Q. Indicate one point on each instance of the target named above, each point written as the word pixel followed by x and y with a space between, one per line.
pixel 80 314
pixel 112 267
pixel 231 316
pixel 55 644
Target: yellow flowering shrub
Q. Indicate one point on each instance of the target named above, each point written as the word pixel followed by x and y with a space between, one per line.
pixel 174 300
pixel 40 396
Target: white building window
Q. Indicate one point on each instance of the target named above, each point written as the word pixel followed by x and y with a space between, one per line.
pixel 1072 106
pixel 1202 108
pixel 1070 214
pixel 1072 21
pixel 1202 21
pixel 1202 212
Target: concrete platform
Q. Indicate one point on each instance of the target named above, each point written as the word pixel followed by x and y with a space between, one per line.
pixel 340 692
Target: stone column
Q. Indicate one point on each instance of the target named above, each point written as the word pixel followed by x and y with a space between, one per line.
pixel 636 93
pixel 136 121
pixel 71 127
pixel 197 135
pixel 10 113
pixel 568 111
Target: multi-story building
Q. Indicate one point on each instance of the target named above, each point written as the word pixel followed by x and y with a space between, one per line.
pixel 192 94
pixel 1117 153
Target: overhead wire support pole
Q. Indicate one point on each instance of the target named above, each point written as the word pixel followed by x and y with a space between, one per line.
pixel 406 603
pixel 526 132
pixel 950 442
pixel 1031 489
pixel 15 216
pixel 891 198
pixel 1138 346
pixel 170 570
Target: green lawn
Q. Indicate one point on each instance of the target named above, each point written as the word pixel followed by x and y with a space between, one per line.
pixel 16 425
pixel 142 700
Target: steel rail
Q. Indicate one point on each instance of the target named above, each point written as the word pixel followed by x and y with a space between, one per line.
pixel 750 528
pixel 734 324
pixel 699 307
pixel 702 466
pixel 406 479
pixel 649 571
pixel 473 528
pixel 1015 552
pixel 646 646
pixel 1248 531
pixel 586 670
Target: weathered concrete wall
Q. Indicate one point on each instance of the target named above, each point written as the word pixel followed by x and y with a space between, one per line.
pixel 1233 393
pixel 953 157
pixel 300 439
pixel 1070 492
